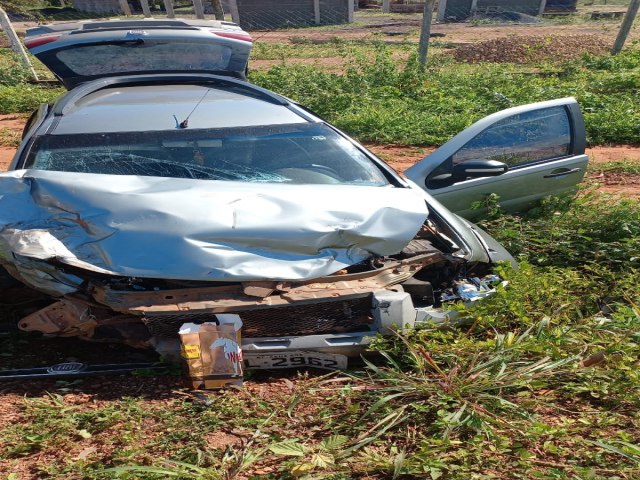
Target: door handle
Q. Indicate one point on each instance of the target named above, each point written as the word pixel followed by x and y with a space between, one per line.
pixel 563 172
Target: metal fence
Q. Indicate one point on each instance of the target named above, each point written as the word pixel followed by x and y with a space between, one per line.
pixel 392 21
pixel 251 14
pixel 278 14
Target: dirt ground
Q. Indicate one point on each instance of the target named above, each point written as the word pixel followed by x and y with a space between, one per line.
pixel 403 27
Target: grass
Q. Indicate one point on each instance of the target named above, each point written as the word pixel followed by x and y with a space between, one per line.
pixel 622 166
pixel 16 94
pixel 542 382
pixel 374 92
pixel 333 47
pixel 9 137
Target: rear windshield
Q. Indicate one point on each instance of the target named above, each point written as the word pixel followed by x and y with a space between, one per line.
pixel 309 153
pixel 143 56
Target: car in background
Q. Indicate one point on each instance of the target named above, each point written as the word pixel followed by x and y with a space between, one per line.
pixel 163 189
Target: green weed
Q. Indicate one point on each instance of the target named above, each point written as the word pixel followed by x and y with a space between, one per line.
pixel 632 168
pixel 25 98
pixel 594 229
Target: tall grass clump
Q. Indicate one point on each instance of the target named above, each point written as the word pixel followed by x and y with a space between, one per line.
pixel 591 231
pixel 562 333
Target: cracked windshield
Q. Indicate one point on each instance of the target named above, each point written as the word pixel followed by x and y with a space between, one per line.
pixel 300 153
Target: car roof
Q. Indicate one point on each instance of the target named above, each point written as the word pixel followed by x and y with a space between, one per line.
pixel 162 102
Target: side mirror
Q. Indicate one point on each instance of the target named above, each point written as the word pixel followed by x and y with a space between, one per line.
pixel 478 169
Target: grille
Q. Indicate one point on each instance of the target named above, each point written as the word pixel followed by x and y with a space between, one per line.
pixel 309 319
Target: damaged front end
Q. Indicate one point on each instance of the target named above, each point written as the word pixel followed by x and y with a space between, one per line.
pixel 389 262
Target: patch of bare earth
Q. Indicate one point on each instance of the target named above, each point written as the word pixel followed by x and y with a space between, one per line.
pixel 402 157
pixel 532 49
pixel 619 183
pixel 9 123
pixel 409 27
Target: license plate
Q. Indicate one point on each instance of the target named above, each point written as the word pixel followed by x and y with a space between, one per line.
pixel 327 361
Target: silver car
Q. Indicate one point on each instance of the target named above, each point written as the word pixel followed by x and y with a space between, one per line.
pixel 163 189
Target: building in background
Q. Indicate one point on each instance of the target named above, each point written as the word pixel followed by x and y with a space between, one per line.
pixel 270 14
pixel 252 14
pixel 460 10
pixel 111 7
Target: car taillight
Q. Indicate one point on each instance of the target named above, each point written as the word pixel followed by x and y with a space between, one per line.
pixel 37 41
pixel 236 36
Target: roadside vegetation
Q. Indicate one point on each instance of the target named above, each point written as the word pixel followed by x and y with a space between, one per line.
pixel 381 99
pixel 541 381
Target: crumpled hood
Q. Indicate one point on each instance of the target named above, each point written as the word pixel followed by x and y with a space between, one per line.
pixel 198 229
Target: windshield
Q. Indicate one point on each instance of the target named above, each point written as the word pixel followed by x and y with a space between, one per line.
pixel 309 153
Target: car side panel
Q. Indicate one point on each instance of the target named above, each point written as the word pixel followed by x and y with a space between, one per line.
pixel 517 188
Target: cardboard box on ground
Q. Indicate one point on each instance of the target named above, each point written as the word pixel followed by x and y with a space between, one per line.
pixel 212 352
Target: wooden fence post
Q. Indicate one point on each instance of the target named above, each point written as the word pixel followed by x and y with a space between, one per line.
pixel 235 14
pixel 442 8
pixel 316 11
pixel 145 8
pixel 425 32
pixel 168 7
pixel 16 44
pixel 386 6
pixel 218 12
pixel 350 10
pixel 543 5
pixel 198 8
pixel 474 7
pixel 124 6
pixel 627 23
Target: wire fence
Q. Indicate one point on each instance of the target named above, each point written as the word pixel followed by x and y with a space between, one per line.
pixel 278 14
pixel 456 22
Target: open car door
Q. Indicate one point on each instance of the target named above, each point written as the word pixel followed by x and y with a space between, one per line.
pixel 84 51
pixel 521 154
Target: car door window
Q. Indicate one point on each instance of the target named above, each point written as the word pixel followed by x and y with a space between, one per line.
pixel 521 139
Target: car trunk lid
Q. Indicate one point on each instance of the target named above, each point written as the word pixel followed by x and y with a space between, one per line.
pixel 81 52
